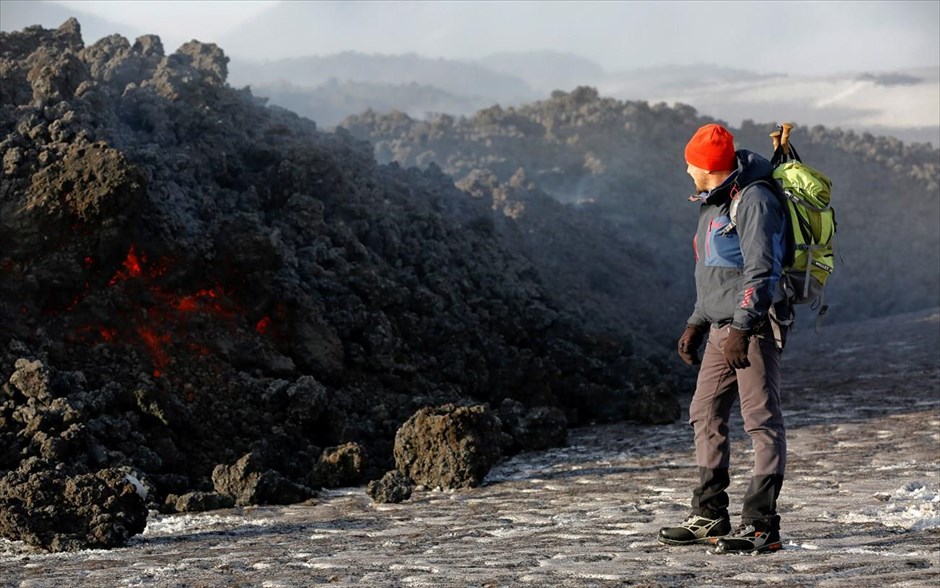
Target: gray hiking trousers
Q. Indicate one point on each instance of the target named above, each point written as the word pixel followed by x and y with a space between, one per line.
pixel 758 388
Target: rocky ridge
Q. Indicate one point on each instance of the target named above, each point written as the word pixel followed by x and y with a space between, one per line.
pixel 616 169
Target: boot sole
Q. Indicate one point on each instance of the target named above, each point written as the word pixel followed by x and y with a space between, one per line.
pixel 674 542
pixel 769 548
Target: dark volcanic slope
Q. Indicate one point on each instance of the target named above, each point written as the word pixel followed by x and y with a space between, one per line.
pixel 188 275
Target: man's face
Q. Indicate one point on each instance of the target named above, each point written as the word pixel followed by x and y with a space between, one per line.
pixel 699 177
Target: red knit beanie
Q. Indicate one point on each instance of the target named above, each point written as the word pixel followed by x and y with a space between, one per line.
pixel 711 148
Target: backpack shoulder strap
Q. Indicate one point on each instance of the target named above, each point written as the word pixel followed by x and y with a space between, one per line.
pixel 733 209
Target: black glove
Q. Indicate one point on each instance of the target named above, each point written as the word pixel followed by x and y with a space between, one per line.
pixel 736 349
pixel 689 343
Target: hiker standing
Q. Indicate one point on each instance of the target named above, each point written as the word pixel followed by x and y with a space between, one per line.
pixel 738 267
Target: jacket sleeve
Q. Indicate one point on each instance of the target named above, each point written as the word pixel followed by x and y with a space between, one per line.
pixel 761 226
pixel 697 318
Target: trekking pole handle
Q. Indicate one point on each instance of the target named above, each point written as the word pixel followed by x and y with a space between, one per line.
pixel 785 137
pixel 775 136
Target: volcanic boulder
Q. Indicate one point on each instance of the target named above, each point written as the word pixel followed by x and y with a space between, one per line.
pixel 46 508
pixel 247 482
pixel 449 446
pixel 394 486
pixel 197 502
pixel 339 466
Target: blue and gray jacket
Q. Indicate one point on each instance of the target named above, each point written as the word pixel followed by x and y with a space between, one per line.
pixel 738 268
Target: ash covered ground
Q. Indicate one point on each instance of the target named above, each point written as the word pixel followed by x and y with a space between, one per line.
pixel 860 507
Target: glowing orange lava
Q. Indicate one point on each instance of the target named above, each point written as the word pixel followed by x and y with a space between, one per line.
pixel 263 325
pixel 132 264
pixel 161 326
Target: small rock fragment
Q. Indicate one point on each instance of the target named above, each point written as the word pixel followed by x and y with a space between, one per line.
pixel 394 486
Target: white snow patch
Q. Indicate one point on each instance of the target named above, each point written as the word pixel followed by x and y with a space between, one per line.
pixel 301 554
pixel 885 553
pixel 138 485
pixel 763 578
pixel 915 507
pixel 904 465
pixel 183 523
pixel 624 532
pixel 414 568
pixel 320 565
pixel 346 491
pixel 598 576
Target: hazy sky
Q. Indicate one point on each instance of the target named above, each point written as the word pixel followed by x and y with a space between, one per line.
pixel 175 19
pixel 791 36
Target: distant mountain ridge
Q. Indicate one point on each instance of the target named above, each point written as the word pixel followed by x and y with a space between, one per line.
pixel 332 101
pixel 456 77
pixel 901 104
pixel 546 71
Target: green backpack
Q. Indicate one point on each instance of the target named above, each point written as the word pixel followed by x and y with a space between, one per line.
pixel 812 223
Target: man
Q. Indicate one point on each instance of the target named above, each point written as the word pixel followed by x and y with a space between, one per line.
pixel 738 266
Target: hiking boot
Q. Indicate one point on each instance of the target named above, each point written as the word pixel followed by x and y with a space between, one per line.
pixel 695 529
pixel 749 539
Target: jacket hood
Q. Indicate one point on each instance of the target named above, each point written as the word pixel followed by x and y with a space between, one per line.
pixel 752 167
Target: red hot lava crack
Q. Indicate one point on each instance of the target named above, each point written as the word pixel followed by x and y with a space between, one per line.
pixel 162 328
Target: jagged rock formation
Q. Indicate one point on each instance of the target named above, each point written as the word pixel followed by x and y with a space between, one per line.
pixel 449 446
pixel 620 165
pixel 210 291
pixel 44 507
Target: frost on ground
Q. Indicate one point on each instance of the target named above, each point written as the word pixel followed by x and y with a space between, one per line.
pixel 861 505
pixel 915 507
